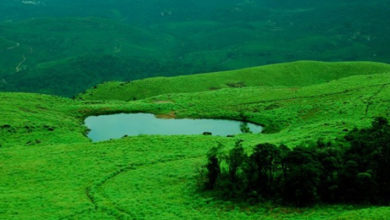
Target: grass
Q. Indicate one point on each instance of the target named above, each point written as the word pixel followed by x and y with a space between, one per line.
pixel 296 74
pixel 51 170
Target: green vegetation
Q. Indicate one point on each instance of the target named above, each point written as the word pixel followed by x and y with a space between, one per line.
pixel 51 170
pixel 65 56
pixel 297 74
pixel 63 47
pixel 107 54
pixel 324 172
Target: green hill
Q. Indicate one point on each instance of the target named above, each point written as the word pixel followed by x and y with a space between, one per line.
pixel 51 170
pixel 296 74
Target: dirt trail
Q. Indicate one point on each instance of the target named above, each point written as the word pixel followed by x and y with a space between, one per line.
pixel 14 47
pixel 19 68
pixel 100 201
pixel 370 99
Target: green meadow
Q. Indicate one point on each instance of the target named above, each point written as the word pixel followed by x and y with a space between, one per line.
pixel 49 169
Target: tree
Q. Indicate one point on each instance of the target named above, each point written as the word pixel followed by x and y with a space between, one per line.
pixel 236 162
pixel 263 164
pixel 244 128
pixel 213 168
pixel 302 177
pixel 355 170
pixel 331 160
pixel 369 151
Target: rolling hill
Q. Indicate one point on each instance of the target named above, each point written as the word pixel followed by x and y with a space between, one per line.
pixel 296 74
pixel 50 169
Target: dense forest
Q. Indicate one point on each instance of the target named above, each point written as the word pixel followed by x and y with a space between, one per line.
pixel 354 170
pixel 64 47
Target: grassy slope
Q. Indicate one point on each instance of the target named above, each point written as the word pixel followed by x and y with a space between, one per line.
pixel 27 119
pixel 153 176
pixel 294 74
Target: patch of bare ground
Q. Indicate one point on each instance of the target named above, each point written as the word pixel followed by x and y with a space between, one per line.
pixel 169 115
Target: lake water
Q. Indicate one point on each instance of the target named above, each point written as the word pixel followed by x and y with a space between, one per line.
pixel 114 126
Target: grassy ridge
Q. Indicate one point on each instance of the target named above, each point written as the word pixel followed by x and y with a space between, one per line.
pixel 64 175
pixel 296 74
